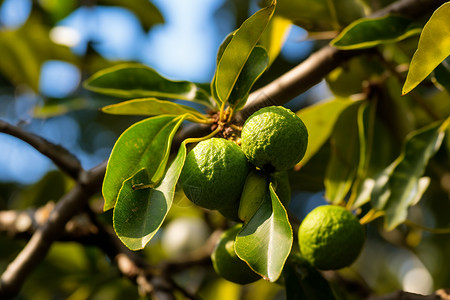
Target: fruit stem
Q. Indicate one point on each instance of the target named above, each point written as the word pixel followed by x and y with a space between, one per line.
pixel 370 216
pixel 196 140
pixel 432 230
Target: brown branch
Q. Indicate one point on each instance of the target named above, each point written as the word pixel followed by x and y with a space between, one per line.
pixel 59 155
pixel 280 91
pixel 153 280
pixel 84 229
pixel 36 249
pixel 319 64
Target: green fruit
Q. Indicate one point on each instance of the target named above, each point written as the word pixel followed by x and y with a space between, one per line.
pixel 214 173
pixel 330 237
pixel 227 264
pixel 274 139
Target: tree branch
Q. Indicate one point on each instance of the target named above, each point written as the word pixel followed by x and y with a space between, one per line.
pixel 59 155
pixel 280 91
pixel 36 249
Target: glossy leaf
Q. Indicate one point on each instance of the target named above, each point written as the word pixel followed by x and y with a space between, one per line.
pixel 131 80
pixel 139 213
pixel 320 119
pixel 398 186
pixel 303 281
pixel 367 33
pixel 254 67
pixel 220 52
pixel 266 240
pixel 152 107
pixel 253 195
pixel 145 144
pixel 341 169
pixel 433 48
pixel 147 13
pixel 238 51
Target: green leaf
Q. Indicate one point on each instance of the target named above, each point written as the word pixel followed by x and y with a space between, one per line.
pixel 442 74
pixel 398 186
pixel 341 169
pixel 379 150
pixel 133 80
pixel 274 37
pixel 367 33
pixel 24 50
pixel 254 67
pixel 139 213
pixel 253 195
pixel 147 13
pixel 433 48
pixel 320 15
pixel 220 52
pixel 320 119
pixel 145 144
pixel 303 281
pixel 238 51
pixel 152 107
pixel 266 240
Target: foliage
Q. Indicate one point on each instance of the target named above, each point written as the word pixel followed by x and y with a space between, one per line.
pixel 372 151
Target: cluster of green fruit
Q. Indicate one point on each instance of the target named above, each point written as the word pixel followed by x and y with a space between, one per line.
pixel 273 140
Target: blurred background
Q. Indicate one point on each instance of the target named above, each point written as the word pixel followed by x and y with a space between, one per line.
pixel 47 49
pixel 60 43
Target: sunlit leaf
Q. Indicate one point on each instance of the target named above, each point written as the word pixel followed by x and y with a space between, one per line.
pixel 253 195
pixel 398 186
pixel 303 281
pixel 145 144
pixel 319 120
pixel 238 51
pixel 275 35
pixel 139 213
pixel 433 48
pixel 145 10
pixel 220 52
pixel 153 107
pixel 266 240
pixel 367 33
pixel 255 65
pixel 341 169
pixel 132 80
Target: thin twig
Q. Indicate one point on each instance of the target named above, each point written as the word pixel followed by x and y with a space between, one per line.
pixel 59 155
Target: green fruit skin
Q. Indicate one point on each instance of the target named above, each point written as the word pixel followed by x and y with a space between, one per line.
pixel 274 139
pixel 330 237
pixel 227 264
pixel 214 174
